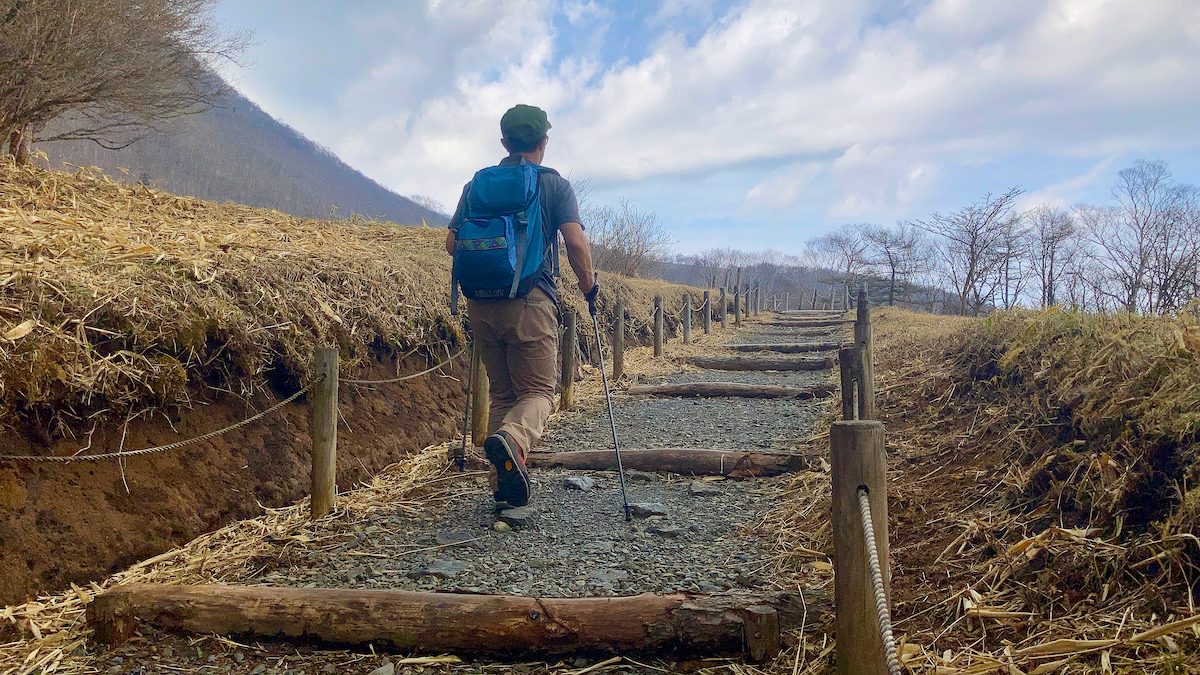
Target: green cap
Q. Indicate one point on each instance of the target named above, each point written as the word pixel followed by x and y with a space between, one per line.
pixel 525 124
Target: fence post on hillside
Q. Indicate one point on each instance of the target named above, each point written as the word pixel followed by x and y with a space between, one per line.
pixel 324 408
pixel 724 306
pixel 746 311
pixel 658 325
pixel 863 339
pixel 687 318
pixel 830 308
pixel 480 394
pixel 566 398
pixel 850 367
pixel 618 342
pixel 707 316
pixel 858 461
pixel 737 306
pixel 814 299
pixel 787 296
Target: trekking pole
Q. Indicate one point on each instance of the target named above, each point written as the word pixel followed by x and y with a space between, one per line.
pixel 612 421
pixel 461 460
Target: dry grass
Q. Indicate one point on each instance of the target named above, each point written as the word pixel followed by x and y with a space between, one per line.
pixel 1042 492
pixel 118 301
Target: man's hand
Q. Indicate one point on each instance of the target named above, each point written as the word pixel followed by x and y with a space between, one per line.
pixel 591 299
pixel 450 243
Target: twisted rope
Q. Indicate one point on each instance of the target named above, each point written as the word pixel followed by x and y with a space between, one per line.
pixel 881 603
pixel 443 364
pixel 66 459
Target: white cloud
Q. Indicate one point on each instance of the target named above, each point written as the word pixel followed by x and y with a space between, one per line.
pixel 819 87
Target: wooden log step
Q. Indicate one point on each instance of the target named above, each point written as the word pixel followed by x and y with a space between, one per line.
pixel 757 362
pixel 738 389
pixel 433 623
pixel 807 323
pixel 788 348
pixel 685 461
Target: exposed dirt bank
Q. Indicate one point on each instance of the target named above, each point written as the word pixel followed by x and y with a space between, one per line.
pixel 72 523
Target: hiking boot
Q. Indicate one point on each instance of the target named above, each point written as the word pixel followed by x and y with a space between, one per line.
pixel 512 479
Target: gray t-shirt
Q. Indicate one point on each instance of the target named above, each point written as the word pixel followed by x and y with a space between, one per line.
pixel 558 206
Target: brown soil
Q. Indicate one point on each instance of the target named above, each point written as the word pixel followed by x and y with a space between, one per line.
pixel 72 523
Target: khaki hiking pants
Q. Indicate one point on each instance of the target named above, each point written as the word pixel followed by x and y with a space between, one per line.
pixel 518 341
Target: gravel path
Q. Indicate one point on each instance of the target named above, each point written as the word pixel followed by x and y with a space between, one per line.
pixel 570 542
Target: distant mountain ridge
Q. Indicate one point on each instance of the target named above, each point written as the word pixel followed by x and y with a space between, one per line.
pixel 239 153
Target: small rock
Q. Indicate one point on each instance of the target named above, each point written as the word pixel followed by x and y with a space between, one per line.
pixel 702 489
pixel 641 476
pixel 667 531
pixel 259 670
pixel 167 652
pixel 388 668
pixel 606 577
pixel 709 587
pixel 501 526
pixel 521 516
pixel 647 509
pixel 447 537
pixel 239 656
pixel 581 483
pixel 443 569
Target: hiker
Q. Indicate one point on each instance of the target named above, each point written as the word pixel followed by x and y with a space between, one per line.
pixel 503 237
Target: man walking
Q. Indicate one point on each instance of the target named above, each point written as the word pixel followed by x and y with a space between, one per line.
pixel 515 212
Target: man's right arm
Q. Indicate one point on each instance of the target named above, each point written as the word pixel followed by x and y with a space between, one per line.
pixel 456 220
pixel 579 254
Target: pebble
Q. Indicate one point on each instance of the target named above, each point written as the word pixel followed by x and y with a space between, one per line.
pixel 668 531
pixel 647 509
pixel 445 568
pixel 581 483
pixel 520 516
pixel 448 537
pixel 701 489
pixel 501 526
pixel 388 668
pixel 641 476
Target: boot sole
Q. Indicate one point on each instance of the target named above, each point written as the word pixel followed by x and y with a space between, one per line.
pixel 512 484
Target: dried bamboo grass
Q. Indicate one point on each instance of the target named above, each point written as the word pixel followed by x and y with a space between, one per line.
pixel 118 300
pixel 1019 445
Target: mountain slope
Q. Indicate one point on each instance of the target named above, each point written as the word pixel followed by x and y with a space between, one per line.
pixel 239 153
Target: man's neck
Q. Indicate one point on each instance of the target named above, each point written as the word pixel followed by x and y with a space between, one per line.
pixel 531 157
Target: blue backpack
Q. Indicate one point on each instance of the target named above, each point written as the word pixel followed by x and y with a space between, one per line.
pixel 500 246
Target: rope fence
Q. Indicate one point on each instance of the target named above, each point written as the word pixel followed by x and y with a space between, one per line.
pixel 405 378
pixel 66 459
pixel 882 611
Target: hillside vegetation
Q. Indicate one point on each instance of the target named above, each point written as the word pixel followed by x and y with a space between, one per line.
pixel 1048 489
pixel 119 300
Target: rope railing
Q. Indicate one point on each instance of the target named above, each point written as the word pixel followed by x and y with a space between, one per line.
pixel 121 454
pixel 882 611
pixel 404 378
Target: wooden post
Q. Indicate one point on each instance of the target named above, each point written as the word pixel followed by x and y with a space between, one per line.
pixel 850 364
pixel 787 296
pixel 707 317
pixel 479 400
pixel 746 310
pixel 814 300
pixel 724 306
pixel 566 399
pixel 858 461
pixel 737 306
pixel 324 407
pixel 687 318
pixel 863 339
pixel 658 325
pixel 845 296
pixel 618 343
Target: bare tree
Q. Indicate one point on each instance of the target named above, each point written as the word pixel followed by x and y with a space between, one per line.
pixel 627 240
pixel 1052 247
pixel 971 245
pixel 105 70
pixel 894 251
pixel 845 251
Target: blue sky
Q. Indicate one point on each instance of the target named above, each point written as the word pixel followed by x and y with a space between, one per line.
pixel 751 124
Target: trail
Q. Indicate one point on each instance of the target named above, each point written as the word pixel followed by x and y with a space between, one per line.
pixel 574 543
